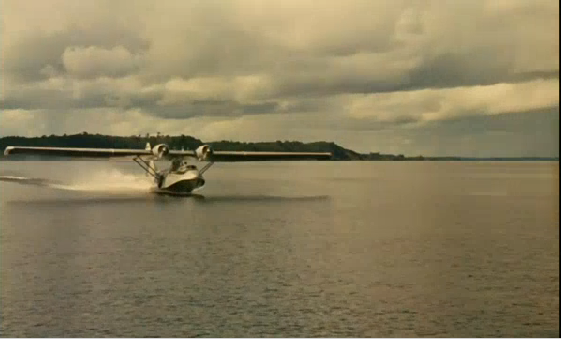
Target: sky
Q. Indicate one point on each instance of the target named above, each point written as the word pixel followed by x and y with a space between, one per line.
pixel 413 77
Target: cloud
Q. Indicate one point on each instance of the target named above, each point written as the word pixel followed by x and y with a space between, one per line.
pixel 325 70
pixel 442 104
pixel 93 62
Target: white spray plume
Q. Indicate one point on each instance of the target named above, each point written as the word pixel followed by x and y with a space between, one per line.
pixel 108 180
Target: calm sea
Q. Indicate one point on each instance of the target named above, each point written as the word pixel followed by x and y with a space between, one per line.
pixel 333 249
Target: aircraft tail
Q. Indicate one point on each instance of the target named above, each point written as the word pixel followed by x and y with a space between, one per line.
pixel 150 163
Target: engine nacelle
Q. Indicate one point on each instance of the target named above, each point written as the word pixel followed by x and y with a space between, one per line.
pixel 204 153
pixel 160 150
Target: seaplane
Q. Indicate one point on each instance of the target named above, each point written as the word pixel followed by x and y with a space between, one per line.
pixel 181 177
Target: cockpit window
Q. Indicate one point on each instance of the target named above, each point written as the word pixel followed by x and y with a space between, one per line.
pixel 175 164
pixel 181 167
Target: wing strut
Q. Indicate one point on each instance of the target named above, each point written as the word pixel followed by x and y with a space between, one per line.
pixel 145 166
pixel 206 167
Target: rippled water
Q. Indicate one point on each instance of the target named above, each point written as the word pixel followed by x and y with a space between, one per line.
pixel 282 249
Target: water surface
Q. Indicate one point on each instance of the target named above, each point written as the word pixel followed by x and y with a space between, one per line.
pixel 333 249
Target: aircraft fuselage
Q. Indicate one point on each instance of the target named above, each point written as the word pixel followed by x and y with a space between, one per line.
pixel 179 182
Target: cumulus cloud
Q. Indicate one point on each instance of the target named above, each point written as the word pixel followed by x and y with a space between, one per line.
pixel 333 70
pixel 92 62
pixel 439 104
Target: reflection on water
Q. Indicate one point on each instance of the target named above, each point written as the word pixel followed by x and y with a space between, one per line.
pixel 260 198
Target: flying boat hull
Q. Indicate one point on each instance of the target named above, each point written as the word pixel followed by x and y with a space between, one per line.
pixel 180 183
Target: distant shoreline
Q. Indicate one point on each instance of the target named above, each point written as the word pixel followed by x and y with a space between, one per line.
pixel 188 142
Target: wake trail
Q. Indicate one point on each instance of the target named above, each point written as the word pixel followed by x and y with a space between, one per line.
pixel 111 181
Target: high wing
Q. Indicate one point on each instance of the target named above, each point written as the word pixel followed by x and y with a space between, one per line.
pixel 75 152
pixel 108 153
pixel 225 156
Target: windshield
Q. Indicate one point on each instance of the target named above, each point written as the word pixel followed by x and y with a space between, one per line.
pixel 181 167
